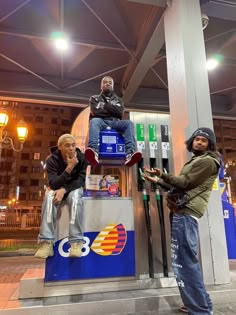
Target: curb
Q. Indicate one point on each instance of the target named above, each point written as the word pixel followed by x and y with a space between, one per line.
pixel 16 253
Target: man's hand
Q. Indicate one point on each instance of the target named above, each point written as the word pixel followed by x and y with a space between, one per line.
pixel 150 178
pixel 58 195
pixel 71 163
pixel 156 171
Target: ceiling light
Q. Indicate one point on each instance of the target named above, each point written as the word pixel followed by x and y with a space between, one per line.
pixel 60 41
pixel 61 44
pixel 212 63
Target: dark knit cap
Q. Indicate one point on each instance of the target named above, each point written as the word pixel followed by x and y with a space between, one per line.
pixel 203 132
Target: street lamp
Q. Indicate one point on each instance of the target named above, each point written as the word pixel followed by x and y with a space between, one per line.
pixel 22 132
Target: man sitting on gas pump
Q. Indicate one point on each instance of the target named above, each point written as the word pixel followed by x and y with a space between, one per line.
pixel 66 170
pixel 106 110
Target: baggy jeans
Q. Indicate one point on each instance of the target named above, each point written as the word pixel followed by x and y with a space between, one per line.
pixel 49 216
pixel 125 127
pixel 186 266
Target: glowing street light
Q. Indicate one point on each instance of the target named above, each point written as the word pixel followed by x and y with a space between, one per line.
pixel 22 132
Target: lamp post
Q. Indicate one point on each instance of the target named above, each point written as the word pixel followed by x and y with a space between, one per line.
pixel 22 132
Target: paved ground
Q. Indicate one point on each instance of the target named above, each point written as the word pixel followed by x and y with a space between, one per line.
pixel 13 268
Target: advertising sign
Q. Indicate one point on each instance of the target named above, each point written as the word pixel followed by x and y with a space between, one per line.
pixel 109 249
pixel 102 186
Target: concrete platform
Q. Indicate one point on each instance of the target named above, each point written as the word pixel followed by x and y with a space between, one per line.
pixel 139 297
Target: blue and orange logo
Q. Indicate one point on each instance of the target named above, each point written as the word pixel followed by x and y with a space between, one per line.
pixel 110 241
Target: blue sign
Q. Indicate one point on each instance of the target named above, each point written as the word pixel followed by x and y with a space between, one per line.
pixel 112 255
pixel 230 229
pixel 111 144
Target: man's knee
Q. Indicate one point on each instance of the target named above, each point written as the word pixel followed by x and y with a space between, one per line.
pixel 95 121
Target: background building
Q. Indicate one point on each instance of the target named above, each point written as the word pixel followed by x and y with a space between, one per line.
pixel 22 174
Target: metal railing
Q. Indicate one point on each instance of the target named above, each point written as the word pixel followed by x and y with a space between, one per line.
pixel 20 221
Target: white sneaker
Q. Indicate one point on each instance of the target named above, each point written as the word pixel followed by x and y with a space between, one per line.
pixel 45 250
pixel 76 249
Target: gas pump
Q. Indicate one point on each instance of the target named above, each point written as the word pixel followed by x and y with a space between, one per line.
pixel 153 134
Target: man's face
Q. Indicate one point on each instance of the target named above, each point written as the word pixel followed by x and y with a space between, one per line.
pixel 200 144
pixel 68 148
pixel 107 84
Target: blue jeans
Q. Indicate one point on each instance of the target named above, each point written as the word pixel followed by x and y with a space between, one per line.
pixel 49 216
pixel 125 127
pixel 186 267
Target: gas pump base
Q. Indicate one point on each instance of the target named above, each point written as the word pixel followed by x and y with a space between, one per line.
pixel 131 296
pixel 32 285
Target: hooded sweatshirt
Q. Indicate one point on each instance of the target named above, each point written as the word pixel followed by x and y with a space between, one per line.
pixel 58 177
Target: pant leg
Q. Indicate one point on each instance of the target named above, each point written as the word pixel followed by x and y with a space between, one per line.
pixel 186 267
pixel 76 209
pixel 126 128
pixel 95 125
pixel 48 220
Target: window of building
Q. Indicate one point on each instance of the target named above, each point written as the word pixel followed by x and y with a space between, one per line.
pixel 27 144
pixel 34 182
pixel 52 143
pixel 9 153
pixel 39 118
pixel 6 166
pixel 28 118
pixel 38 131
pixel 54 120
pixel 23 182
pixel 35 169
pixel 33 196
pixel 46 109
pixel 54 109
pixel 25 156
pixel 4 194
pixel 23 169
pixel 37 143
pixel 22 196
pixel 62 111
pixel 37 156
pixel 65 122
pixel 53 132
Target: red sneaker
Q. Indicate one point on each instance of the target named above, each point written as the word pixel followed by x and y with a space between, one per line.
pixel 133 158
pixel 92 156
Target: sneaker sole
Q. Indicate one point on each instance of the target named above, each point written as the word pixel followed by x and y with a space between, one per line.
pixel 135 158
pixel 43 257
pixel 90 156
pixel 75 256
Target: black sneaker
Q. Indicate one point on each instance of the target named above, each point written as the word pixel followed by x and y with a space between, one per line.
pixel 133 158
pixel 92 156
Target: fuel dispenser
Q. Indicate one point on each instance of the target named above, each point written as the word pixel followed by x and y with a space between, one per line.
pixel 153 139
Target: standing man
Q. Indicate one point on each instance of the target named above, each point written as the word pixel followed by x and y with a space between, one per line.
pixel 192 188
pixel 66 170
pixel 106 110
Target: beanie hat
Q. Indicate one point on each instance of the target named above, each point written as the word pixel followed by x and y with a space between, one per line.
pixel 203 132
